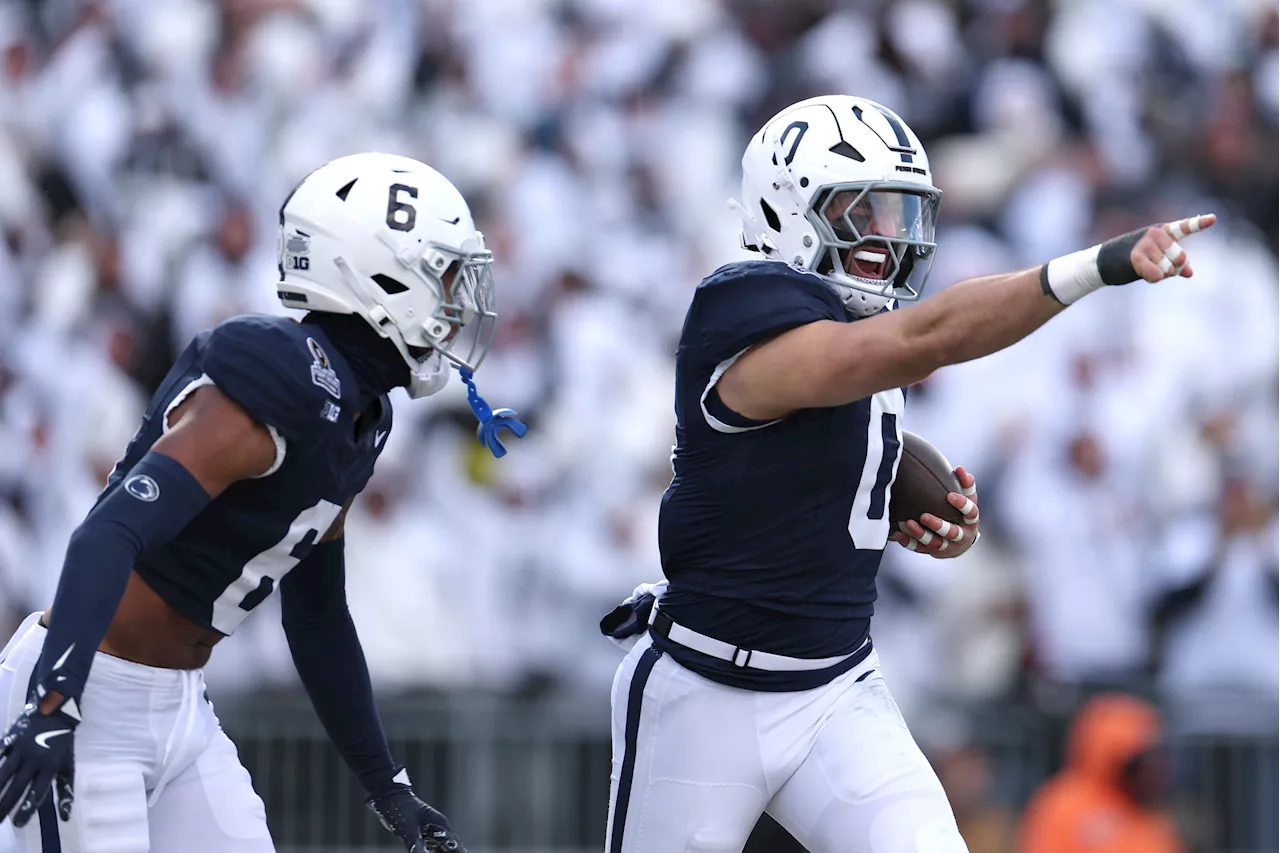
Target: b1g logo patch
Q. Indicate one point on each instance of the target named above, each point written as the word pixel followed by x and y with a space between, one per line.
pixel 142 487
pixel 322 373
pixel 297 249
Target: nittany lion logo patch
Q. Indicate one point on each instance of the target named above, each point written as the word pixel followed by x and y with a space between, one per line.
pixel 142 487
pixel 322 373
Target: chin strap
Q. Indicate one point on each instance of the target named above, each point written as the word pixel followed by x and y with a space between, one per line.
pixel 491 420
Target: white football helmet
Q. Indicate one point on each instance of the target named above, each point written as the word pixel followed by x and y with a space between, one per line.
pixel 390 239
pixel 840 186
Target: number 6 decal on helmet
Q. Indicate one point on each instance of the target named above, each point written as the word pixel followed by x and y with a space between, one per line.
pixel 395 206
pixel 391 240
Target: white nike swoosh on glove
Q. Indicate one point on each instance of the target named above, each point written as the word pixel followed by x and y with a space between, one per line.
pixel 42 739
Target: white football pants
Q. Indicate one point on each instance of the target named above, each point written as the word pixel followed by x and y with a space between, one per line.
pixel 154 770
pixel 695 763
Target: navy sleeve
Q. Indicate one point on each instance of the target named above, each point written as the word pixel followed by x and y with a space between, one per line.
pixel 266 368
pixel 157 499
pixel 330 662
pixel 732 312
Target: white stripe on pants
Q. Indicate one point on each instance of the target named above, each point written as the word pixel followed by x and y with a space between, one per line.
pixel 700 762
pixel 154 770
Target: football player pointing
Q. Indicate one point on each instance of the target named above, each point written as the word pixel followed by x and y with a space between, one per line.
pixel 756 686
pixel 237 484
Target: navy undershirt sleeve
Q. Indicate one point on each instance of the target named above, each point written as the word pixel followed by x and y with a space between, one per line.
pixel 152 503
pixel 331 664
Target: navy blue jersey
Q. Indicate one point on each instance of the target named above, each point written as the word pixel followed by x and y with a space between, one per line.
pixel 290 378
pixel 771 533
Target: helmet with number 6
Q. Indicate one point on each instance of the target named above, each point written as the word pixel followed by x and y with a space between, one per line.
pixel 840 186
pixel 390 239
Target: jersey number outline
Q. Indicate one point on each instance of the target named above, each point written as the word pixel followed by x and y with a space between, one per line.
pixel 869 517
pixel 259 576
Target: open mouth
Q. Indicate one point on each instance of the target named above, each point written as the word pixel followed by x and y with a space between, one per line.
pixel 867 263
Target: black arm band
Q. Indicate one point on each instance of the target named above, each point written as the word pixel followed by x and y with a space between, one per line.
pixel 148 506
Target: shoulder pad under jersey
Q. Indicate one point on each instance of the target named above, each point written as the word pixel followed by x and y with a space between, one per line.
pixel 742 304
pixel 275 370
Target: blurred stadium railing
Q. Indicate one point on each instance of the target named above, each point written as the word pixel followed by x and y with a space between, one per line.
pixel 532 776
pixel 513 776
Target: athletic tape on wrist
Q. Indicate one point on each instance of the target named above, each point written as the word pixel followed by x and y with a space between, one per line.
pixel 1072 277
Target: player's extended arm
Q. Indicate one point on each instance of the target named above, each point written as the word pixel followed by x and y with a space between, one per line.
pixel 331 664
pixel 828 363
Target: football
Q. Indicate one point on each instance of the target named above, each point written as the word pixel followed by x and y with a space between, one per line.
pixel 924 479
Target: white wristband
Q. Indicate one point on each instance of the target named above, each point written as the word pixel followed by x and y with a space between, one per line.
pixel 1073 276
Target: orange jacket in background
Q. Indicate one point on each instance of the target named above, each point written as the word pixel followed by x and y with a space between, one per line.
pixel 1083 809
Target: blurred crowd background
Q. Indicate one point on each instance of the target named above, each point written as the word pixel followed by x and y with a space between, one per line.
pixel 1127 454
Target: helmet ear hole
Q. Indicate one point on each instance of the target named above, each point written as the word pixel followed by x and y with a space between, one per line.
pixel 389 284
pixel 770 216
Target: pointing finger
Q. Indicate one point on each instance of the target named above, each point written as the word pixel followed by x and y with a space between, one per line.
pixel 1183 227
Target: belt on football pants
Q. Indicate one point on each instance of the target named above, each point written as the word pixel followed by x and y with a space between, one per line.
pixel 667 627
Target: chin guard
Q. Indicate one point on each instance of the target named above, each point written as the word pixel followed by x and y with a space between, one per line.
pixel 491 420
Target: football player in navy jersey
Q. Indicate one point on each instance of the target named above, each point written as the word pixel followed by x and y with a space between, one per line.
pixel 236 484
pixel 751 684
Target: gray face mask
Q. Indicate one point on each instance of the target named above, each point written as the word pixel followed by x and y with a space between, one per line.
pixel 876 238
pixel 462 328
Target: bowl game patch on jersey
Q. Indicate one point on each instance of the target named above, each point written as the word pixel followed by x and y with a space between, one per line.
pixel 322 372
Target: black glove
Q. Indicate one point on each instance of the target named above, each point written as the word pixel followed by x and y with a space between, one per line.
pixel 38 753
pixel 629 618
pixel 420 827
